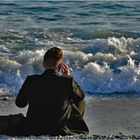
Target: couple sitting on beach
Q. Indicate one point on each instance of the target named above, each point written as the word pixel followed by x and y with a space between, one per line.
pixel 55 102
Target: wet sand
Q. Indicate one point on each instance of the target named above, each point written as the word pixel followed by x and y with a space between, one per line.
pixel 111 116
pixel 104 116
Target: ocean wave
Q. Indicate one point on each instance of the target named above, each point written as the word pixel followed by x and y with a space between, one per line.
pixel 99 65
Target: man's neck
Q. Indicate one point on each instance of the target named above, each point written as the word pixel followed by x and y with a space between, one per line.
pixel 54 68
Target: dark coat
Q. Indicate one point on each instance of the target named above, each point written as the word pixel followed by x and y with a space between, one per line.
pixel 50 97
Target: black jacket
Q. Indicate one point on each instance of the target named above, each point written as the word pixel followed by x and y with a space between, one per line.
pixel 50 98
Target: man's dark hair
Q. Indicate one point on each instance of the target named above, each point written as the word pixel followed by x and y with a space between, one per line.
pixel 54 53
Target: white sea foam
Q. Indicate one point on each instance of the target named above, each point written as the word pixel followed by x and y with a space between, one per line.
pixel 98 65
pixel 108 70
pixel 101 79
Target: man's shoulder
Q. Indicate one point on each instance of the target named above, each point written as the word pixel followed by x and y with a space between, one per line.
pixel 32 77
pixel 61 78
pixel 66 77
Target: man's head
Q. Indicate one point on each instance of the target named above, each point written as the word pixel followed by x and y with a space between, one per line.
pixel 53 58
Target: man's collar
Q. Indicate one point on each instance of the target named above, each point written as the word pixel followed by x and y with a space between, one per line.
pixel 50 71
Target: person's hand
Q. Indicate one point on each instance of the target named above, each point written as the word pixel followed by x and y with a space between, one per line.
pixel 65 70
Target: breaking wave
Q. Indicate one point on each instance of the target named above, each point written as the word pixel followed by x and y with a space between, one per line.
pixel 100 65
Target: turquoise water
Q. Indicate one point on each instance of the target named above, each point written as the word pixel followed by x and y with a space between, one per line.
pixel 101 42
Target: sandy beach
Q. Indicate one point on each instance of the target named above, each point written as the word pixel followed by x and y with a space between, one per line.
pixel 104 116
pixel 111 116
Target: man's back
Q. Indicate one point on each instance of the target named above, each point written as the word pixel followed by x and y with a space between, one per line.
pixel 49 96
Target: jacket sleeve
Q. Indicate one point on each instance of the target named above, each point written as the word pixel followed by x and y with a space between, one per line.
pixel 22 97
pixel 77 93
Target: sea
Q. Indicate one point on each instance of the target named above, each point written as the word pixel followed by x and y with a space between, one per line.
pixel 100 39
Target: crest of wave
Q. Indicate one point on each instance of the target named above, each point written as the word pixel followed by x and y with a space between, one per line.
pixel 95 78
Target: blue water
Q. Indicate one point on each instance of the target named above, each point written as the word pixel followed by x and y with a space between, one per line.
pixel 83 15
pixel 101 42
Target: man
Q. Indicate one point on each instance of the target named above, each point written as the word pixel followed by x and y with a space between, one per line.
pixel 55 102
